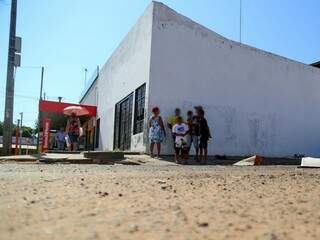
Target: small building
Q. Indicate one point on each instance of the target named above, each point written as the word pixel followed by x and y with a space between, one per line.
pixel 52 119
pixel 256 102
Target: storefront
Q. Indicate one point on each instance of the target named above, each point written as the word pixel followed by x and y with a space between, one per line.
pixel 52 119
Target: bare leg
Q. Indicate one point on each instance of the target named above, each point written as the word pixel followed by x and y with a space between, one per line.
pixel 205 155
pixel 186 156
pixel 75 146
pixel 187 152
pixel 158 149
pixel 201 153
pixel 197 154
pixel 151 149
pixel 177 157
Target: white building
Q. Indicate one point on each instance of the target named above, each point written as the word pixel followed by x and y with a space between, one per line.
pixel 255 102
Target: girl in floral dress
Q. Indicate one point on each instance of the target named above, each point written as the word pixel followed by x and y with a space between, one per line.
pixel 156 131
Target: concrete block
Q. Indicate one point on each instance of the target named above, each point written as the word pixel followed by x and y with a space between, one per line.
pixel 310 162
pixel 251 161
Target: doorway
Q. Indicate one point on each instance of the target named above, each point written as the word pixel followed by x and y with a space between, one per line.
pixel 123 123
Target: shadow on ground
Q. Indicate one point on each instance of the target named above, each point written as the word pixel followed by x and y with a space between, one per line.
pixel 226 160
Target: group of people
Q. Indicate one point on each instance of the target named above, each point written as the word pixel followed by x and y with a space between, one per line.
pixel 194 131
pixel 70 136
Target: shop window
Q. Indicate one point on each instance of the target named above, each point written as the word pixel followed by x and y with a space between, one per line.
pixel 139 109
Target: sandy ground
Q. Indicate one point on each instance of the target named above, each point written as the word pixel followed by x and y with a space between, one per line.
pixel 64 201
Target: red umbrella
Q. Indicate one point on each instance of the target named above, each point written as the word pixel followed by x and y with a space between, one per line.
pixel 77 110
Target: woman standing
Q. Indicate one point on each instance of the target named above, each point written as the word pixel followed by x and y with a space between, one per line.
pixel 156 131
pixel 73 131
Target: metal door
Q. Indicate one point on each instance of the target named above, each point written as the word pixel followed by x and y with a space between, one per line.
pixel 123 123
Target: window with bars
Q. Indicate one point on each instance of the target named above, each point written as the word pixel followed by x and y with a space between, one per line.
pixel 123 123
pixel 139 108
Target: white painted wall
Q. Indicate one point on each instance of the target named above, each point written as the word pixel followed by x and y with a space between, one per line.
pixel 255 102
pixel 127 69
pixel 91 97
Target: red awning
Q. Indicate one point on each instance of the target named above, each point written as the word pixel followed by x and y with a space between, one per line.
pixel 57 107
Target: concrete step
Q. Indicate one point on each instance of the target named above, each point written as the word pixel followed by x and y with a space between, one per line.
pixel 63 152
pixel 133 153
pixel 102 155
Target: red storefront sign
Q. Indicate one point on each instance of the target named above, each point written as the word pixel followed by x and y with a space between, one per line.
pixel 46 134
pixel 57 107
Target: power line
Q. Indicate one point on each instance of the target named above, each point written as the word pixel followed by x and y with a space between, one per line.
pixel 34 67
pixel 23 96
pixel 18 92
pixel 37 99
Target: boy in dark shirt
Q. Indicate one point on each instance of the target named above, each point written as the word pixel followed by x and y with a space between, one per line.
pixel 204 136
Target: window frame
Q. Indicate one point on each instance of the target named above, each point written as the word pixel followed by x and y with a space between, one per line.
pixel 139 109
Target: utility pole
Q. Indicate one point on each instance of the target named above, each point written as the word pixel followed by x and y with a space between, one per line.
pixel 21 131
pixel 8 111
pixel 16 151
pixel 85 77
pixel 39 113
pixel 240 22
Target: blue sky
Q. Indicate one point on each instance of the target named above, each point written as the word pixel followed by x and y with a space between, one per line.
pixel 67 36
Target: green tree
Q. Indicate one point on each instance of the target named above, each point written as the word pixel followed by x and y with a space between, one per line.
pixel 27 131
pixel 1 128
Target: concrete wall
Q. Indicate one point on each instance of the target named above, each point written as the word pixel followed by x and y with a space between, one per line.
pixel 127 69
pixel 255 102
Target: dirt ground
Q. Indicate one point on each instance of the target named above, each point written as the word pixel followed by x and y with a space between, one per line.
pixel 64 201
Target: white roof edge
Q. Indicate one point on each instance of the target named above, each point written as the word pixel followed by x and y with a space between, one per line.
pixel 218 36
pixel 127 34
pixel 118 46
pixel 242 45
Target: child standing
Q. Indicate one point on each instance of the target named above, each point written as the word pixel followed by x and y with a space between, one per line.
pixel 180 130
pixel 60 138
